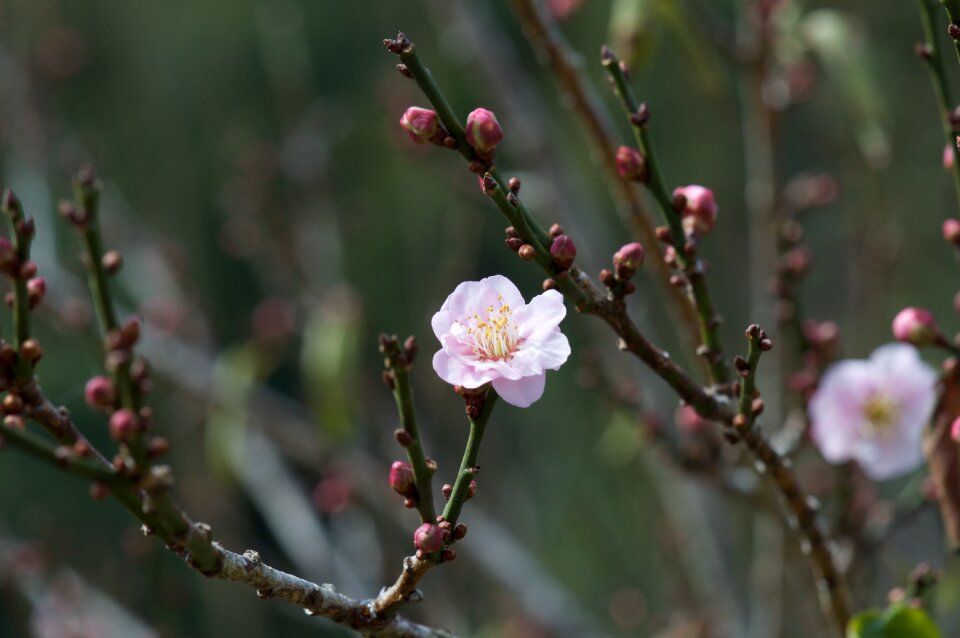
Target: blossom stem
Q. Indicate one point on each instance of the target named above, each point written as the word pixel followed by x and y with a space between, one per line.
pixel 422 476
pixel 748 382
pixel 688 263
pixel 932 59
pixel 87 194
pixel 39 448
pixel 22 232
pixel 543 33
pixel 468 465
pixel 953 12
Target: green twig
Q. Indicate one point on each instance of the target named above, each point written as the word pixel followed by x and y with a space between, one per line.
pixel 757 343
pixel 468 465
pixel 930 54
pixel 422 473
pixel 689 264
pixel 22 231
pixel 953 12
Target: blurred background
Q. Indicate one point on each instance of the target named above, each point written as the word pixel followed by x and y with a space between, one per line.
pixel 274 218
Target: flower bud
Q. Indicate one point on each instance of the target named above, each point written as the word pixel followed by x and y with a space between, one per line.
pixel 36 288
pixel 428 538
pixel 420 124
pixel 951 231
pixel 483 130
pixel 955 430
pixel 123 423
pixel 100 393
pixel 401 479
pixel 563 251
pixel 627 260
pixel 916 326
pixel 631 164
pixel 700 212
pixel 526 252
pixel 948 157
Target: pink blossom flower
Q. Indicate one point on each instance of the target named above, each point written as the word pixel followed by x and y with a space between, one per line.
pixel 489 335
pixel 873 411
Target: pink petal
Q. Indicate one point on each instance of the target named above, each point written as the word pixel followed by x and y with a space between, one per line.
pixel 541 315
pixel 549 353
pixel 453 371
pixel 521 392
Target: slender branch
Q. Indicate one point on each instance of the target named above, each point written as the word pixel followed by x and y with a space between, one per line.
pixel 543 32
pixel 63 457
pixel 716 407
pixel 953 12
pixel 757 343
pixel 468 465
pixel 399 362
pixel 929 53
pixel 22 230
pixel 709 320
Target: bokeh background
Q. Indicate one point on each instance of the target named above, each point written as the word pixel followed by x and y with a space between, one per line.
pixel 274 219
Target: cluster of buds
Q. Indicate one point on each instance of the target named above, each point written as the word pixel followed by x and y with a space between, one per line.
pixel 626 261
pixel 447 489
pixel 792 266
pixel 697 207
pixel 431 538
pixel 513 241
pixel 395 356
pixel 917 326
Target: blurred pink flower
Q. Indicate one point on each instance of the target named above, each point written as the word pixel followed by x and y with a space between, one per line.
pixel 489 335
pixel 873 411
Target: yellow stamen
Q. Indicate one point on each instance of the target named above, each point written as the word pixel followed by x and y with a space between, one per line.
pixel 495 336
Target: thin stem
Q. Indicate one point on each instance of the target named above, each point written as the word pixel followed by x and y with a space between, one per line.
pixel 710 405
pixel 709 320
pixel 543 32
pixel 930 55
pixel 953 12
pixel 40 448
pixel 748 381
pixel 468 465
pixel 403 394
pixel 22 231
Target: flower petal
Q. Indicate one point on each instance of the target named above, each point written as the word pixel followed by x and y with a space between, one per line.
pixel 521 392
pixel 541 315
pixel 453 371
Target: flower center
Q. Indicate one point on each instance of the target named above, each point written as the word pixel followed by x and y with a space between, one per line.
pixel 495 335
pixel 881 412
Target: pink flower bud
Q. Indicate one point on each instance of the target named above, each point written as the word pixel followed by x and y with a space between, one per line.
pixel 401 479
pixel 428 538
pixel 688 421
pixel 631 164
pixel 420 124
pixel 951 231
pixel 563 251
pixel 100 393
pixel 916 326
pixel 36 289
pixel 483 130
pixel 955 430
pixel 627 260
pixel 948 157
pixel 700 213
pixel 123 423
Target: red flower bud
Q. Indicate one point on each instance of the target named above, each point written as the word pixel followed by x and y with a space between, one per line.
pixel 951 231
pixel 100 393
pixel 700 212
pixel 401 479
pixel 123 423
pixel 563 251
pixel 627 260
pixel 916 326
pixel 631 164
pixel 420 124
pixel 483 130
pixel 428 538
